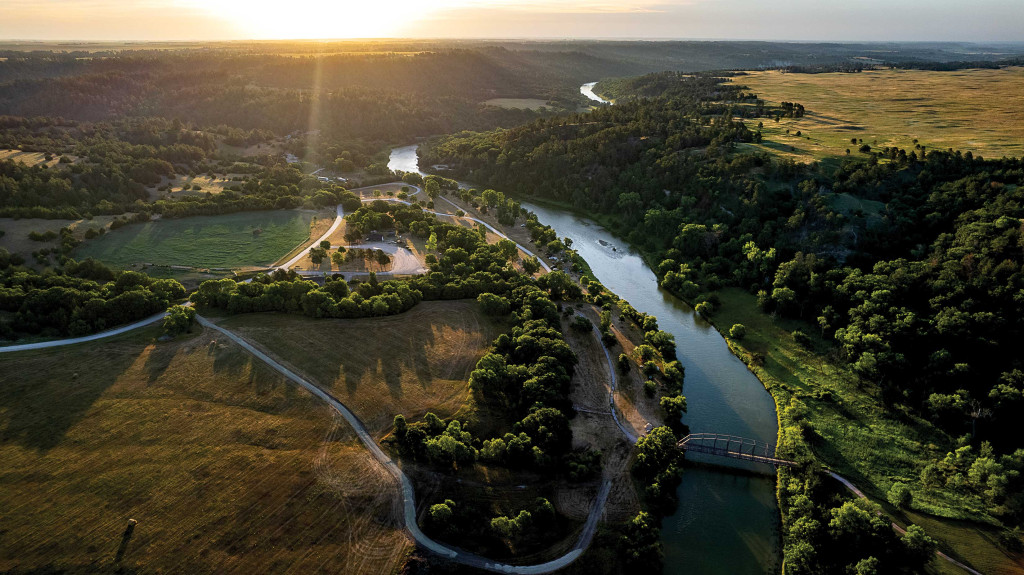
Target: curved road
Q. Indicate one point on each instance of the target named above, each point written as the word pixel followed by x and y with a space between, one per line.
pixel 71 341
pixel 544 265
pixel 341 216
pixel 895 526
pixel 408 495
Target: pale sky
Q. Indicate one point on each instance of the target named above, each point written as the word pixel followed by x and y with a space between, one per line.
pixel 830 20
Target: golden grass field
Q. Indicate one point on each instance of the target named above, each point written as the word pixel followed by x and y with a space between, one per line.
pixel 31 158
pixel 410 363
pixel 975 110
pixel 226 467
pixel 176 185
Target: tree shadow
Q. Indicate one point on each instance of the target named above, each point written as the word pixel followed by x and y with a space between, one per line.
pixel 46 392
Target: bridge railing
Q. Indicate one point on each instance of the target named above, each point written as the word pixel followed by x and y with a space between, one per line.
pixel 732 446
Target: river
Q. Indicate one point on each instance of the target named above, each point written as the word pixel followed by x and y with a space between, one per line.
pixel 588 91
pixel 727 520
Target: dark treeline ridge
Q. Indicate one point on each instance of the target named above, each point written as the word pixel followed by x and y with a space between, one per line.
pixel 923 300
pixel 374 97
pixel 379 91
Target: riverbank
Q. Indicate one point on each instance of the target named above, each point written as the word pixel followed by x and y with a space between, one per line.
pixel 726 522
pixel 826 410
pixel 839 421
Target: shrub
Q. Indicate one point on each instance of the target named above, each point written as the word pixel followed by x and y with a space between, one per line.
pixel 900 496
pixel 179 320
pixel 802 339
pixel 738 331
pixel 581 324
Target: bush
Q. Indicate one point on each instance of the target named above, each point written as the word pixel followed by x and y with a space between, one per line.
pixel 581 324
pixel 179 320
pixel 900 496
pixel 802 339
pixel 738 331
pixel 624 362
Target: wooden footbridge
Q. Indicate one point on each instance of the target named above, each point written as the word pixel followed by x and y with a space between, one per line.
pixel 734 447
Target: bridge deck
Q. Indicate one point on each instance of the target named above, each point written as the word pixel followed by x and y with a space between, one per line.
pixel 733 447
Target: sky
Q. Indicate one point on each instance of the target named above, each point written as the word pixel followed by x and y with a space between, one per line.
pixel 829 20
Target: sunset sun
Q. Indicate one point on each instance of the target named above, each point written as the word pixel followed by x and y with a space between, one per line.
pixel 308 19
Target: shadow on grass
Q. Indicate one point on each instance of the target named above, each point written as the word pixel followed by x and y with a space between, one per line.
pixel 46 392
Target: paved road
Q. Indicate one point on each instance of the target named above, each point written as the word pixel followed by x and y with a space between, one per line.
pixel 71 341
pixel 896 527
pixel 408 496
pixel 546 267
pixel 341 216
pixel 611 394
pixel 337 222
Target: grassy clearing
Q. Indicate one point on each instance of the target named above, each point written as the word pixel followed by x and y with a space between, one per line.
pixel 16 231
pixel 226 466
pixel 226 241
pixel 859 437
pixel 185 185
pixel 32 158
pixel 976 110
pixel 518 103
pixel 410 363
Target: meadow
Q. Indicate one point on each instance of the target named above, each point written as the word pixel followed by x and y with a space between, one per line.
pixel 858 436
pixel 970 110
pixel 226 466
pixel 410 363
pixel 518 103
pixel 248 239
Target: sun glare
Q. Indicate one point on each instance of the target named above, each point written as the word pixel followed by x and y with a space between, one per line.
pixel 305 19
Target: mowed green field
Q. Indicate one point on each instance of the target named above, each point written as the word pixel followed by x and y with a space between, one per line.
pixel 225 241
pixel 226 466
pixel 970 110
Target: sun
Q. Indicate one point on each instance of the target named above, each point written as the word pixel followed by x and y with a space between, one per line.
pixel 308 19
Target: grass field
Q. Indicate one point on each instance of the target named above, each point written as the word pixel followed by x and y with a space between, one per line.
pixel 175 187
pixel 518 103
pixel 226 241
pixel 858 436
pixel 16 231
pixel 31 158
pixel 410 363
pixel 975 110
pixel 226 466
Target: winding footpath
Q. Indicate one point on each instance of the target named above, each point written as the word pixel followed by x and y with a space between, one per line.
pixel 853 489
pixel 337 222
pixel 71 341
pixel 407 493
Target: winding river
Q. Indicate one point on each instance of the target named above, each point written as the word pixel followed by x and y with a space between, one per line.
pixel 588 91
pixel 727 520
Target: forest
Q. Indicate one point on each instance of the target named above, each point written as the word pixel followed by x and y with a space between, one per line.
pixel 922 299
